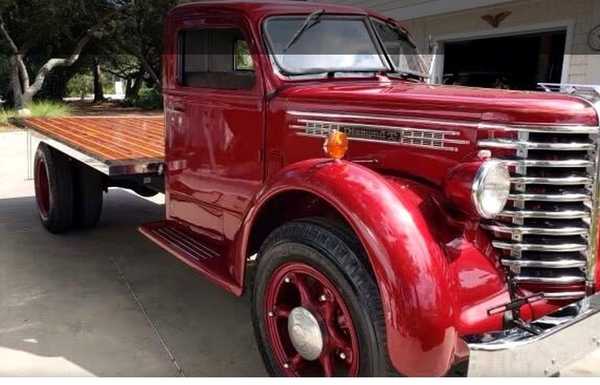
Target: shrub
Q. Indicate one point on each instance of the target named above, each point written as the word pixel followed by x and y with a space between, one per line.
pixel 80 86
pixel 148 99
pixel 41 109
pixel 48 109
pixel 4 115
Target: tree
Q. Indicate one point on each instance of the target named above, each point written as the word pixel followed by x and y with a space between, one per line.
pixel 139 34
pixel 55 21
pixel 98 87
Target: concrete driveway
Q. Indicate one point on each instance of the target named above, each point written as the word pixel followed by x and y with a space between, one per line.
pixel 109 303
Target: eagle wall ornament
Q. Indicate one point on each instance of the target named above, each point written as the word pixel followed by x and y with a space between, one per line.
pixel 495 20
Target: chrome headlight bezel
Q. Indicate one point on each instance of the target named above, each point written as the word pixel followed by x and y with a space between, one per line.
pixel 481 185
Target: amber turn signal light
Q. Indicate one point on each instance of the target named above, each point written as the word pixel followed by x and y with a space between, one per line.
pixel 336 144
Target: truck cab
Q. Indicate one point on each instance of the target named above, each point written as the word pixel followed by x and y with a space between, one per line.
pixel 381 224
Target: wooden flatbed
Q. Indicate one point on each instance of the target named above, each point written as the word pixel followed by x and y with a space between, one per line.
pixel 115 146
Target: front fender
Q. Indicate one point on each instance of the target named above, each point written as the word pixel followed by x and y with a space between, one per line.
pixel 416 285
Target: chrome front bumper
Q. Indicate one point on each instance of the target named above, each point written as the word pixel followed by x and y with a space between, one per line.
pixel 518 353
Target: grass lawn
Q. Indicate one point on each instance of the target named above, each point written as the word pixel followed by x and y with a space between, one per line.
pixel 42 109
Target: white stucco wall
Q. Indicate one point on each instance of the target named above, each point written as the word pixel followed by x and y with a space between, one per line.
pixel 580 16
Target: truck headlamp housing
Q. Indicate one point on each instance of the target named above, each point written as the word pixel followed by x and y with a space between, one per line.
pixel 479 188
pixel 490 189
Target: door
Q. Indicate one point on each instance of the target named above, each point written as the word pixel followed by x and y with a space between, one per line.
pixel 215 123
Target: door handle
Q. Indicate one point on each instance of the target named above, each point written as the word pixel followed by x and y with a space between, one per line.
pixel 179 107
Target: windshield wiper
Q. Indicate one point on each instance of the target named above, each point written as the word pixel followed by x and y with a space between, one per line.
pixel 404 75
pixel 310 21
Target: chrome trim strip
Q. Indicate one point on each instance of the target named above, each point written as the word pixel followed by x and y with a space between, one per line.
pixel 380 127
pixel 559 248
pixel 109 168
pixel 567 214
pixel 536 230
pixel 571 129
pixel 515 145
pixel 406 136
pixel 566 181
pixel 451 149
pixel 562 280
pixel 550 197
pixel 564 129
pixel 410 120
pixel 564 295
pixel 570 163
pixel 556 264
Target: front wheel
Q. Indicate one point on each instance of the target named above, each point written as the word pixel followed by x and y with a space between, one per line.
pixel 316 308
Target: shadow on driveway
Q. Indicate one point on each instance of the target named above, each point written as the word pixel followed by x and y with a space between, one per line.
pixel 107 302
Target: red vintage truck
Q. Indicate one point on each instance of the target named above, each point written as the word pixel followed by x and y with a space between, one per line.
pixel 383 225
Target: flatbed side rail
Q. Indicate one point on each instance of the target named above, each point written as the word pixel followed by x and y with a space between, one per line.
pixel 108 167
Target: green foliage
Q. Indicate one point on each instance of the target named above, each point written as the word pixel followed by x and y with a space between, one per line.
pixel 148 99
pixel 4 116
pixel 49 109
pixel 41 109
pixel 80 85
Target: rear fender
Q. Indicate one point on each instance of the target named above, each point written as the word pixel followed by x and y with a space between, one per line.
pixel 416 285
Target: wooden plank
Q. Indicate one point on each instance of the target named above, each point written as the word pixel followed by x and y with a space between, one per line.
pixel 108 139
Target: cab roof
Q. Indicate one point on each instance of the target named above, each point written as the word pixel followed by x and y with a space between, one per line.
pixel 260 8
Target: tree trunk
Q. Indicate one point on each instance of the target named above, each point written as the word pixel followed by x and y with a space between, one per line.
pixel 98 87
pixel 15 82
pixel 134 86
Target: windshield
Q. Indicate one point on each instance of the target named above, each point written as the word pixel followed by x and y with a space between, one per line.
pixel 328 44
pixel 402 52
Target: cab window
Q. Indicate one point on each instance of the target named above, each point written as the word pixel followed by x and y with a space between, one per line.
pixel 215 58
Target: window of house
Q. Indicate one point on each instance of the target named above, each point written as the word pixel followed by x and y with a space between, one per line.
pixel 215 58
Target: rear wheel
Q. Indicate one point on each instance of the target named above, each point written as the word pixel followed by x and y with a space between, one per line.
pixel 316 308
pixel 89 190
pixel 53 178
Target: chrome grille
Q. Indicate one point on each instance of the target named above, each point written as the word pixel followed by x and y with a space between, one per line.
pixel 543 236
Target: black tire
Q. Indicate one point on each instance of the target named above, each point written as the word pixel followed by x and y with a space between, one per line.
pixel 145 192
pixel 53 178
pixel 335 252
pixel 88 196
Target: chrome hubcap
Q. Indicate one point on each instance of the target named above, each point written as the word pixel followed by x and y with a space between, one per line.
pixel 305 333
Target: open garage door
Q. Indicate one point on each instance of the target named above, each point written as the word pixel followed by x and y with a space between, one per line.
pixel 516 62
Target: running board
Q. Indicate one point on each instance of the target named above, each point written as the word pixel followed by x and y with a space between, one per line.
pixel 191 250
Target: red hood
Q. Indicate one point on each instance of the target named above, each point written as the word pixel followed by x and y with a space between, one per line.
pixel 457 109
pixel 451 102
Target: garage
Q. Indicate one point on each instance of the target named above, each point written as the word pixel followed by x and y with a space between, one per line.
pixel 517 62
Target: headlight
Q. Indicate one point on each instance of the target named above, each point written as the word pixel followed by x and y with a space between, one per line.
pixel 479 188
pixel 491 188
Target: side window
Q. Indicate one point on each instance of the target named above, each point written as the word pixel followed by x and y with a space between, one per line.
pixel 215 58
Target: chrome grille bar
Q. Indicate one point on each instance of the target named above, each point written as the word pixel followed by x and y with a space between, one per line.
pixel 515 145
pixel 592 94
pixel 566 214
pixel 517 231
pixel 571 180
pixel 562 280
pixel 549 197
pixel 557 264
pixel 559 248
pixel 545 235
pixel 570 163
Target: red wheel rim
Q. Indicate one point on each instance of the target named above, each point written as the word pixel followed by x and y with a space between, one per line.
pixel 42 189
pixel 298 285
